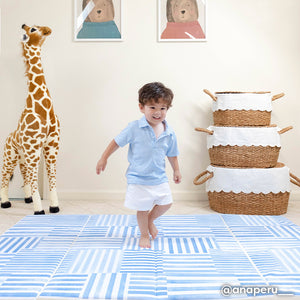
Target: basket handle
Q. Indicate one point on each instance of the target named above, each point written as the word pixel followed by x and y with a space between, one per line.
pixel 210 94
pixel 285 129
pixel 295 179
pixel 196 182
pixel 204 130
pixel 275 97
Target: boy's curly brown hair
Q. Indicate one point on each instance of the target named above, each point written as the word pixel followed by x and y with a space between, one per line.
pixel 155 91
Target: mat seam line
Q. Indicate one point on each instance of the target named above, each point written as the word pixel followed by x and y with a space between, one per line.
pixel 67 252
pixel 245 252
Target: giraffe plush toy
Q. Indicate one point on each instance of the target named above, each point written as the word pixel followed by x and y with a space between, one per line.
pixel 37 132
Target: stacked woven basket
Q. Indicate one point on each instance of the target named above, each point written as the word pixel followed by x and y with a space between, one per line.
pixel 245 176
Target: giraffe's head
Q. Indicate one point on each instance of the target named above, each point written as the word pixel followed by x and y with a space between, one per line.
pixel 35 35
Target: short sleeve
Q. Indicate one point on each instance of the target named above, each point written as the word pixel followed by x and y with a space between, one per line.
pixel 173 147
pixel 125 136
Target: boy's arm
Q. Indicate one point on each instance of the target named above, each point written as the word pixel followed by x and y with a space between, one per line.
pixel 175 166
pixel 111 148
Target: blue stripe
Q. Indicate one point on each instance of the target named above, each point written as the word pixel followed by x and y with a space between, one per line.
pixel 186 245
pixel 110 286
pixel 14 244
pixel 202 245
pixel 170 246
pixel 209 243
pixel 178 245
pixel 89 286
pixel 122 286
pixel 195 246
pixel 60 294
pixel 16 294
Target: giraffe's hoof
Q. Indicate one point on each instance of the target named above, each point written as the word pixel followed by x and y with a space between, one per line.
pixel 54 209
pixel 42 212
pixel 28 200
pixel 6 204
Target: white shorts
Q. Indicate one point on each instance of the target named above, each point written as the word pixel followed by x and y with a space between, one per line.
pixel 144 197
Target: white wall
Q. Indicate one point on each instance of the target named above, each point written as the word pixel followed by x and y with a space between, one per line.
pixel 252 45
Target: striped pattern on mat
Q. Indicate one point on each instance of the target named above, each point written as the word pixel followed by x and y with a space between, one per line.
pixel 193 257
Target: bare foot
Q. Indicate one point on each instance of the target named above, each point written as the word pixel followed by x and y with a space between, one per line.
pixel 144 242
pixel 152 229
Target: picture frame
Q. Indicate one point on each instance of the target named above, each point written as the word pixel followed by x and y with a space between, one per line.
pixel 182 20
pixel 98 20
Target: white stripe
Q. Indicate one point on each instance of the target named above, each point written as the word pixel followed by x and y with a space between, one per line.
pixel 189 35
pixel 100 261
pixel 105 284
pixel 76 262
pixel 85 13
pixel 106 269
pixel 92 264
pixel 116 261
pixel 115 291
pixel 82 265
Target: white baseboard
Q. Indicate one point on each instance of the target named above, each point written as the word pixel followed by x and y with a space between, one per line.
pixel 90 195
pixel 119 195
pixel 295 196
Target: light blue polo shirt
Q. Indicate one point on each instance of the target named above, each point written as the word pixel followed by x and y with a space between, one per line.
pixel 146 153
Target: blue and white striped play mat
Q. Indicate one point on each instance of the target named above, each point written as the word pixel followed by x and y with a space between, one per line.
pixel 194 257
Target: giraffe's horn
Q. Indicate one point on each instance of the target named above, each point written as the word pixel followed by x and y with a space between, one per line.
pixel 47 31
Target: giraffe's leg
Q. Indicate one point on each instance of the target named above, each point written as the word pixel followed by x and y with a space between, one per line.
pixel 50 154
pixel 10 158
pixel 31 164
pixel 27 187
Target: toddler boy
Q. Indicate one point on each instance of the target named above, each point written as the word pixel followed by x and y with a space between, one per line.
pixel 150 140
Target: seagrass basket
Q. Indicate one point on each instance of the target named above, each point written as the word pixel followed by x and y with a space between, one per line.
pixel 229 109
pixel 249 203
pixel 228 151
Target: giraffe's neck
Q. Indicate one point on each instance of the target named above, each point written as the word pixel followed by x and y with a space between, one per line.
pixel 38 99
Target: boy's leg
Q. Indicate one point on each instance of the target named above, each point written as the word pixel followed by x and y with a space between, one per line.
pixel 142 219
pixel 156 212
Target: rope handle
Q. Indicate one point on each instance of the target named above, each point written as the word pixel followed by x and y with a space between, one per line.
pixel 295 179
pixel 285 129
pixel 210 94
pixel 204 130
pixel 275 97
pixel 196 182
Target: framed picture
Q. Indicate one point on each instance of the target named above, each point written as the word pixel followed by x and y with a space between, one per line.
pixel 182 20
pixel 98 20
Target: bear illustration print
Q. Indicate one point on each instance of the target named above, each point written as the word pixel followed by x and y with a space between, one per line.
pixel 99 23
pixel 182 20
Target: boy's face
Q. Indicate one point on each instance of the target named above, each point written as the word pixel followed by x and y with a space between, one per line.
pixel 155 113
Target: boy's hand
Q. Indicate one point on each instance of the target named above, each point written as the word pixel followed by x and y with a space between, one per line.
pixel 177 177
pixel 101 165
